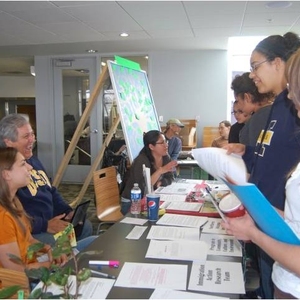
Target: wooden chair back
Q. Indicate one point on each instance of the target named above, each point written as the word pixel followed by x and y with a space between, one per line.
pixel 12 277
pixel 209 134
pixel 107 195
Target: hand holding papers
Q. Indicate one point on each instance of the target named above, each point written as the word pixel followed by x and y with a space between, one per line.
pixel 219 164
pixel 223 166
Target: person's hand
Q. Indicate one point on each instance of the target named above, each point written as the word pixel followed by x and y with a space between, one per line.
pixel 235 148
pixel 169 167
pixel 60 261
pixel 57 224
pixel 69 216
pixel 241 227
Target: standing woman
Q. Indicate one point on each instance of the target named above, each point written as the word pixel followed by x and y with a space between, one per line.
pixel 15 239
pixel 252 103
pixel 154 155
pixel 286 270
pixel 278 149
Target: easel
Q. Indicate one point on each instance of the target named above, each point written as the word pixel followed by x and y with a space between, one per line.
pixel 82 122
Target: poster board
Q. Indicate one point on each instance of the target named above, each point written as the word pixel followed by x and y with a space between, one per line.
pixel 135 105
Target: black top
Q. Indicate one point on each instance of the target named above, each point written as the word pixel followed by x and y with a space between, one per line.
pixel 234 132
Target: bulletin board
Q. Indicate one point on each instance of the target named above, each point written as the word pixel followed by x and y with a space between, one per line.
pixel 135 105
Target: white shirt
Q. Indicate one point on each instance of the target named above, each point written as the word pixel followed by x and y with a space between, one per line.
pixel 284 279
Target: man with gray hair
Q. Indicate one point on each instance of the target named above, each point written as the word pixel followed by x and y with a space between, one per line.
pixel 49 212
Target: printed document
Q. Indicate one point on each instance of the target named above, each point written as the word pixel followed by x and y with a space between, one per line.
pixel 182 220
pixel 93 288
pixel 217 276
pixel 222 245
pixel 173 233
pixel 219 164
pixel 173 294
pixel 151 276
pixel 178 188
pixel 178 250
pixel 183 206
pixel 213 225
pixel 136 232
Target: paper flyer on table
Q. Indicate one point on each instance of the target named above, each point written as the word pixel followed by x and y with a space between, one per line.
pixel 173 294
pixel 217 276
pixel 172 198
pixel 93 288
pixel 136 232
pixel 213 225
pixel 178 250
pixel 219 244
pixel 178 188
pixel 184 206
pixel 151 276
pixel 219 164
pixel 173 233
pixel 182 220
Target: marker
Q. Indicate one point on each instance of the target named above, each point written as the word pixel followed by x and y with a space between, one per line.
pixel 103 274
pixel 111 263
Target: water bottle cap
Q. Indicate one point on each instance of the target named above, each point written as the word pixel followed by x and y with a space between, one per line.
pixel 135 184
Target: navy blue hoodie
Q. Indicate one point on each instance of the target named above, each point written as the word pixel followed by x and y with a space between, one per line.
pixel 274 159
pixel 40 199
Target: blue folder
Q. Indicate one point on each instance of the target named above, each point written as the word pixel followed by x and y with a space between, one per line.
pixel 263 213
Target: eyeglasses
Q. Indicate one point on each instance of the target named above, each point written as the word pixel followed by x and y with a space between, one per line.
pixel 255 67
pixel 162 143
pixel 236 112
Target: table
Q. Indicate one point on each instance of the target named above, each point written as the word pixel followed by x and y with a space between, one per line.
pixel 116 247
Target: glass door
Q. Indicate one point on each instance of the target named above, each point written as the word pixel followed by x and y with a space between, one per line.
pixel 73 81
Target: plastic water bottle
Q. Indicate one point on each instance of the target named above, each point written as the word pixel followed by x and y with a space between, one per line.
pixel 136 196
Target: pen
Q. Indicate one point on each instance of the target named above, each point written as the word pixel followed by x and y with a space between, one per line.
pixel 111 263
pixel 103 274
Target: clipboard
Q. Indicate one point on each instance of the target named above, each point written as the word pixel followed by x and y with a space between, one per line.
pixel 80 213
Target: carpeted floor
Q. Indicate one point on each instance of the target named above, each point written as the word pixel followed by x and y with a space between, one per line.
pixel 70 191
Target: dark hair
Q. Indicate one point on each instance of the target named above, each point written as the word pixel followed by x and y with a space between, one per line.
pixel 8 157
pixel 151 137
pixel 279 46
pixel 242 84
pixel 226 123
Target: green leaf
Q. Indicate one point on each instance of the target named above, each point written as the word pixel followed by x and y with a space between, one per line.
pixel 41 273
pixel 84 274
pixel 15 259
pixel 9 291
pixel 59 279
pixel 35 294
pixel 35 247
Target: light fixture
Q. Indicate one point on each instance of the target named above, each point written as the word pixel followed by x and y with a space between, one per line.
pixel 103 64
pixel 32 70
pixel 124 34
pixel 278 4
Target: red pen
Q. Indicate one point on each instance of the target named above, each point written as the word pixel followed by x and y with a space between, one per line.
pixel 110 263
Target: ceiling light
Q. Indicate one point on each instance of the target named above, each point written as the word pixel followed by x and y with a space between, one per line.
pixel 124 34
pixel 278 4
pixel 103 64
pixel 91 51
pixel 32 70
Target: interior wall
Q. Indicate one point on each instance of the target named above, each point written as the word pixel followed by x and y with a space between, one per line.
pixel 190 85
pixel 184 84
pixel 17 86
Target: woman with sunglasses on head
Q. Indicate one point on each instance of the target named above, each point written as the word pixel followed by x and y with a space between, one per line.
pixel 253 103
pixel 154 155
pixel 15 236
pixel 278 147
pixel 286 269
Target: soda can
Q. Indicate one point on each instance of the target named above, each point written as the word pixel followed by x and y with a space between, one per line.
pixel 152 206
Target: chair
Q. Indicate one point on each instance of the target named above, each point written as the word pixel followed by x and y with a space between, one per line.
pixel 107 196
pixel 12 277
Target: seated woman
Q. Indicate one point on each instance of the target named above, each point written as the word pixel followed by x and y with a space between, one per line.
pixel 16 237
pixel 222 140
pixel 154 155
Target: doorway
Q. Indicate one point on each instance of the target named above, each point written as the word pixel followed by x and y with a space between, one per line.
pixel 73 81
